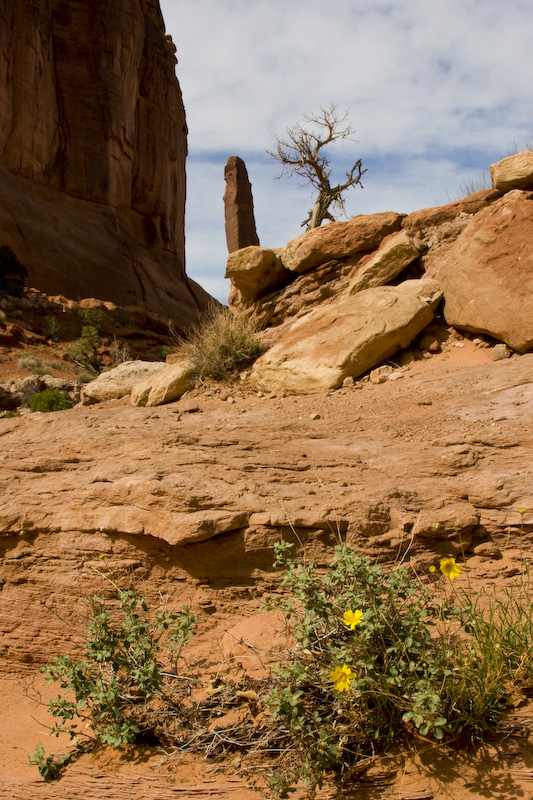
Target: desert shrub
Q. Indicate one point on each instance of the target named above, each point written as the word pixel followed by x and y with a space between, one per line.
pixel 52 328
pixel 114 689
pixel 85 376
pixel 382 656
pixel 222 344
pixel 29 361
pixel 119 353
pixel 122 318
pixel 93 317
pixel 84 351
pixel 13 274
pixel 51 399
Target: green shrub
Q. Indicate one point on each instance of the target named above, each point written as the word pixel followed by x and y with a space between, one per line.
pixel 13 274
pixel 85 376
pixel 52 328
pixel 94 318
pixel 113 690
pixel 51 399
pixel 84 351
pixel 222 344
pixel 383 656
pixel 29 361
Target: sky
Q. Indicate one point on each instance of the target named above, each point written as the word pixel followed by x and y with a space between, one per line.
pixel 436 92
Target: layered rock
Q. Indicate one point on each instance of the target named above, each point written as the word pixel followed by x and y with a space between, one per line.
pixel 342 339
pixel 120 381
pixel 487 277
pixel 92 153
pixel 238 206
pixel 254 271
pixel 513 172
pixel 165 385
pixel 395 253
pixel 338 240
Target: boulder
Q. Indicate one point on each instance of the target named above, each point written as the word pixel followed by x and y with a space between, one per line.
pixel 93 142
pixel 346 338
pixel 118 382
pixel 166 386
pixel 254 271
pixel 395 253
pixel 426 289
pixel 513 172
pixel 8 401
pixel 238 206
pixel 487 276
pixel 338 240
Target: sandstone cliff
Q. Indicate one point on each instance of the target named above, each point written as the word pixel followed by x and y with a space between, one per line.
pixel 93 142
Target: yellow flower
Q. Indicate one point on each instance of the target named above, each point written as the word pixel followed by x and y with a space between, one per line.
pixel 352 618
pixel 522 511
pixel 449 568
pixel 341 677
pixel 433 568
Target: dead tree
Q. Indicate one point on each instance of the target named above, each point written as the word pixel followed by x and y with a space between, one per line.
pixel 301 154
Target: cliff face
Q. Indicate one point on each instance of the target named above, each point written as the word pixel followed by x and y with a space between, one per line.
pixel 93 142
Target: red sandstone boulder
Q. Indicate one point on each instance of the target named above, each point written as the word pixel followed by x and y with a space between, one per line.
pixel 395 253
pixel 93 143
pixel 254 271
pixel 338 240
pixel 487 277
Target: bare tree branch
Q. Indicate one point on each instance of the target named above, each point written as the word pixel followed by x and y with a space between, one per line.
pixel 300 153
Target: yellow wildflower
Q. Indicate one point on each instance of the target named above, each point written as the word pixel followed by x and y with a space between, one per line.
pixel 352 618
pixel 449 568
pixel 341 678
pixel 433 568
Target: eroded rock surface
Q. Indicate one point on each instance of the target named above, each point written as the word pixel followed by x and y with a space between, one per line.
pixel 93 143
pixel 344 338
pixel 487 276
pixel 186 507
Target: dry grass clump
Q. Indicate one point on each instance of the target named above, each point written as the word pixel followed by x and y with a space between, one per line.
pixel 222 344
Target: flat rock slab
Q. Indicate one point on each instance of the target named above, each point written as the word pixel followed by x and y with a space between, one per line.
pixel 412 469
pixel 346 338
pixel 338 240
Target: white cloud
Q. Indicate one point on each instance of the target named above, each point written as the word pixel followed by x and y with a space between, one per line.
pixel 435 92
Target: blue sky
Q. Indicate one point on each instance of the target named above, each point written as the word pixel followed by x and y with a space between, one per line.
pixel 436 92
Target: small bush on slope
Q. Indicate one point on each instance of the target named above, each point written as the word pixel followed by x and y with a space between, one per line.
pixel 222 344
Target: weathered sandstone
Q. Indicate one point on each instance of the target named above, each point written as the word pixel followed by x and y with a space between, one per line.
pixel 164 386
pixel 513 172
pixel 92 153
pixel 394 254
pixel 119 382
pixel 345 338
pixel 337 240
pixel 238 206
pixel 254 271
pixel 487 277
